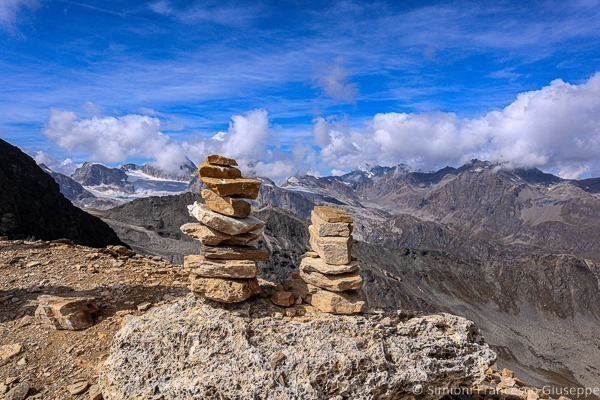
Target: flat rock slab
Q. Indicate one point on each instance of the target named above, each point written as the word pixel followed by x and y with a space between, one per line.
pixel 240 187
pixel 191 349
pixel 78 387
pixel 325 228
pixel 334 250
pixel 206 170
pixel 225 290
pixel 311 264
pixel 8 351
pixel 211 237
pixel 223 223
pixel 283 298
pixel 235 253
pixel 229 206
pixel 332 214
pixel 343 303
pixel 335 283
pixel 220 268
pixel 220 160
pixel 19 392
pixel 68 313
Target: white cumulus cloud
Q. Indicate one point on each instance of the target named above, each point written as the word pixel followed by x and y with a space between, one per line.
pixel 556 128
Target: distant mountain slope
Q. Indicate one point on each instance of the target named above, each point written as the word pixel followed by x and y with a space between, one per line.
pixel 78 195
pixel 478 209
pixel 31 205
pixel 187 170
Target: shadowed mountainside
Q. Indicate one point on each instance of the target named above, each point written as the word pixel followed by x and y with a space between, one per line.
pixel 31 204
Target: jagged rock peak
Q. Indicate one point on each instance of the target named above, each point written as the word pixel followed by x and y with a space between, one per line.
pixel 190 349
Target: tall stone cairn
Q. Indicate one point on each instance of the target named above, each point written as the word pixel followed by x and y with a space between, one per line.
pixel 329 271
pixel 226 270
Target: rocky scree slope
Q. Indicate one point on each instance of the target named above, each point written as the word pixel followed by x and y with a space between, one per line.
pixel 31 205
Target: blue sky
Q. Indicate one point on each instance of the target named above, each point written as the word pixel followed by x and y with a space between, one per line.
pixel 327 77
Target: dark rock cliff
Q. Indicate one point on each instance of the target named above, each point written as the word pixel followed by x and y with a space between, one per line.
pixel 31 205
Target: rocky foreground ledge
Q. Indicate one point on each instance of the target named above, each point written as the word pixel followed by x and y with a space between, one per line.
pixel 198 349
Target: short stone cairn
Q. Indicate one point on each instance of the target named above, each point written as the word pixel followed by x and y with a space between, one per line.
pixel 329 271
pixel 226 270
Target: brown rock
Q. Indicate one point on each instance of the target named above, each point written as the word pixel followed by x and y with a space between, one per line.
pixel 220 268
pixel 319 265
pixel 334 250
pixel 239 187
pixel 8 351
pixel 19 392
pixel 297 287
pixel 226 205
pixel 95 393
pixel 223 223
pixel 337 303
pixel 235 253
pixel 332 214
pixel 207 170
pixel 325 228
pixel 312 254
pixel 334 283
pixel 211 237
pixel 78 387
pixel 69 313
pixel 225 290
pixel 220 160
pixel 283 299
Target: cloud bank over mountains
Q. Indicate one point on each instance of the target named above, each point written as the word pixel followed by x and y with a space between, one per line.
pixel 555 128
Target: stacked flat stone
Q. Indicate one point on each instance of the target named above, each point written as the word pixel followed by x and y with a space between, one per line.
pixel 329 271
pixel 226 269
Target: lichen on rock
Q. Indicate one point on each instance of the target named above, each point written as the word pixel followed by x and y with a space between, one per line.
pixel 194 349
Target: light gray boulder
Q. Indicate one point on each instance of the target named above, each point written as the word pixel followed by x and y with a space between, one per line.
pixel 193 349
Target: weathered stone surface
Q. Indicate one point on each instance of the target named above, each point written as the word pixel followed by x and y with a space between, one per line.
pixel 95 393
pixel 325 228
pixel 282 298
pixel 206 170
pixel 211 237
pixel 78 387
pixel 19 392
pixel 312 254
pixel 297 287
pixel 319 265
pixel 9 350
pixel 225 290
pixel 191 349
pixel 335 283
pixel 220 160
pixel 336 303
pixel 332 214
pixel 239 187
pixel 200 266
pixel 69 313
pixel 226 205
pixel 334 250
pixel 223 223
pixel 235 253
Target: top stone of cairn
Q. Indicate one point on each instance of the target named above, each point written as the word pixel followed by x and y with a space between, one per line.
pixel 331 214
pixel 207 170
pixel 220 160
